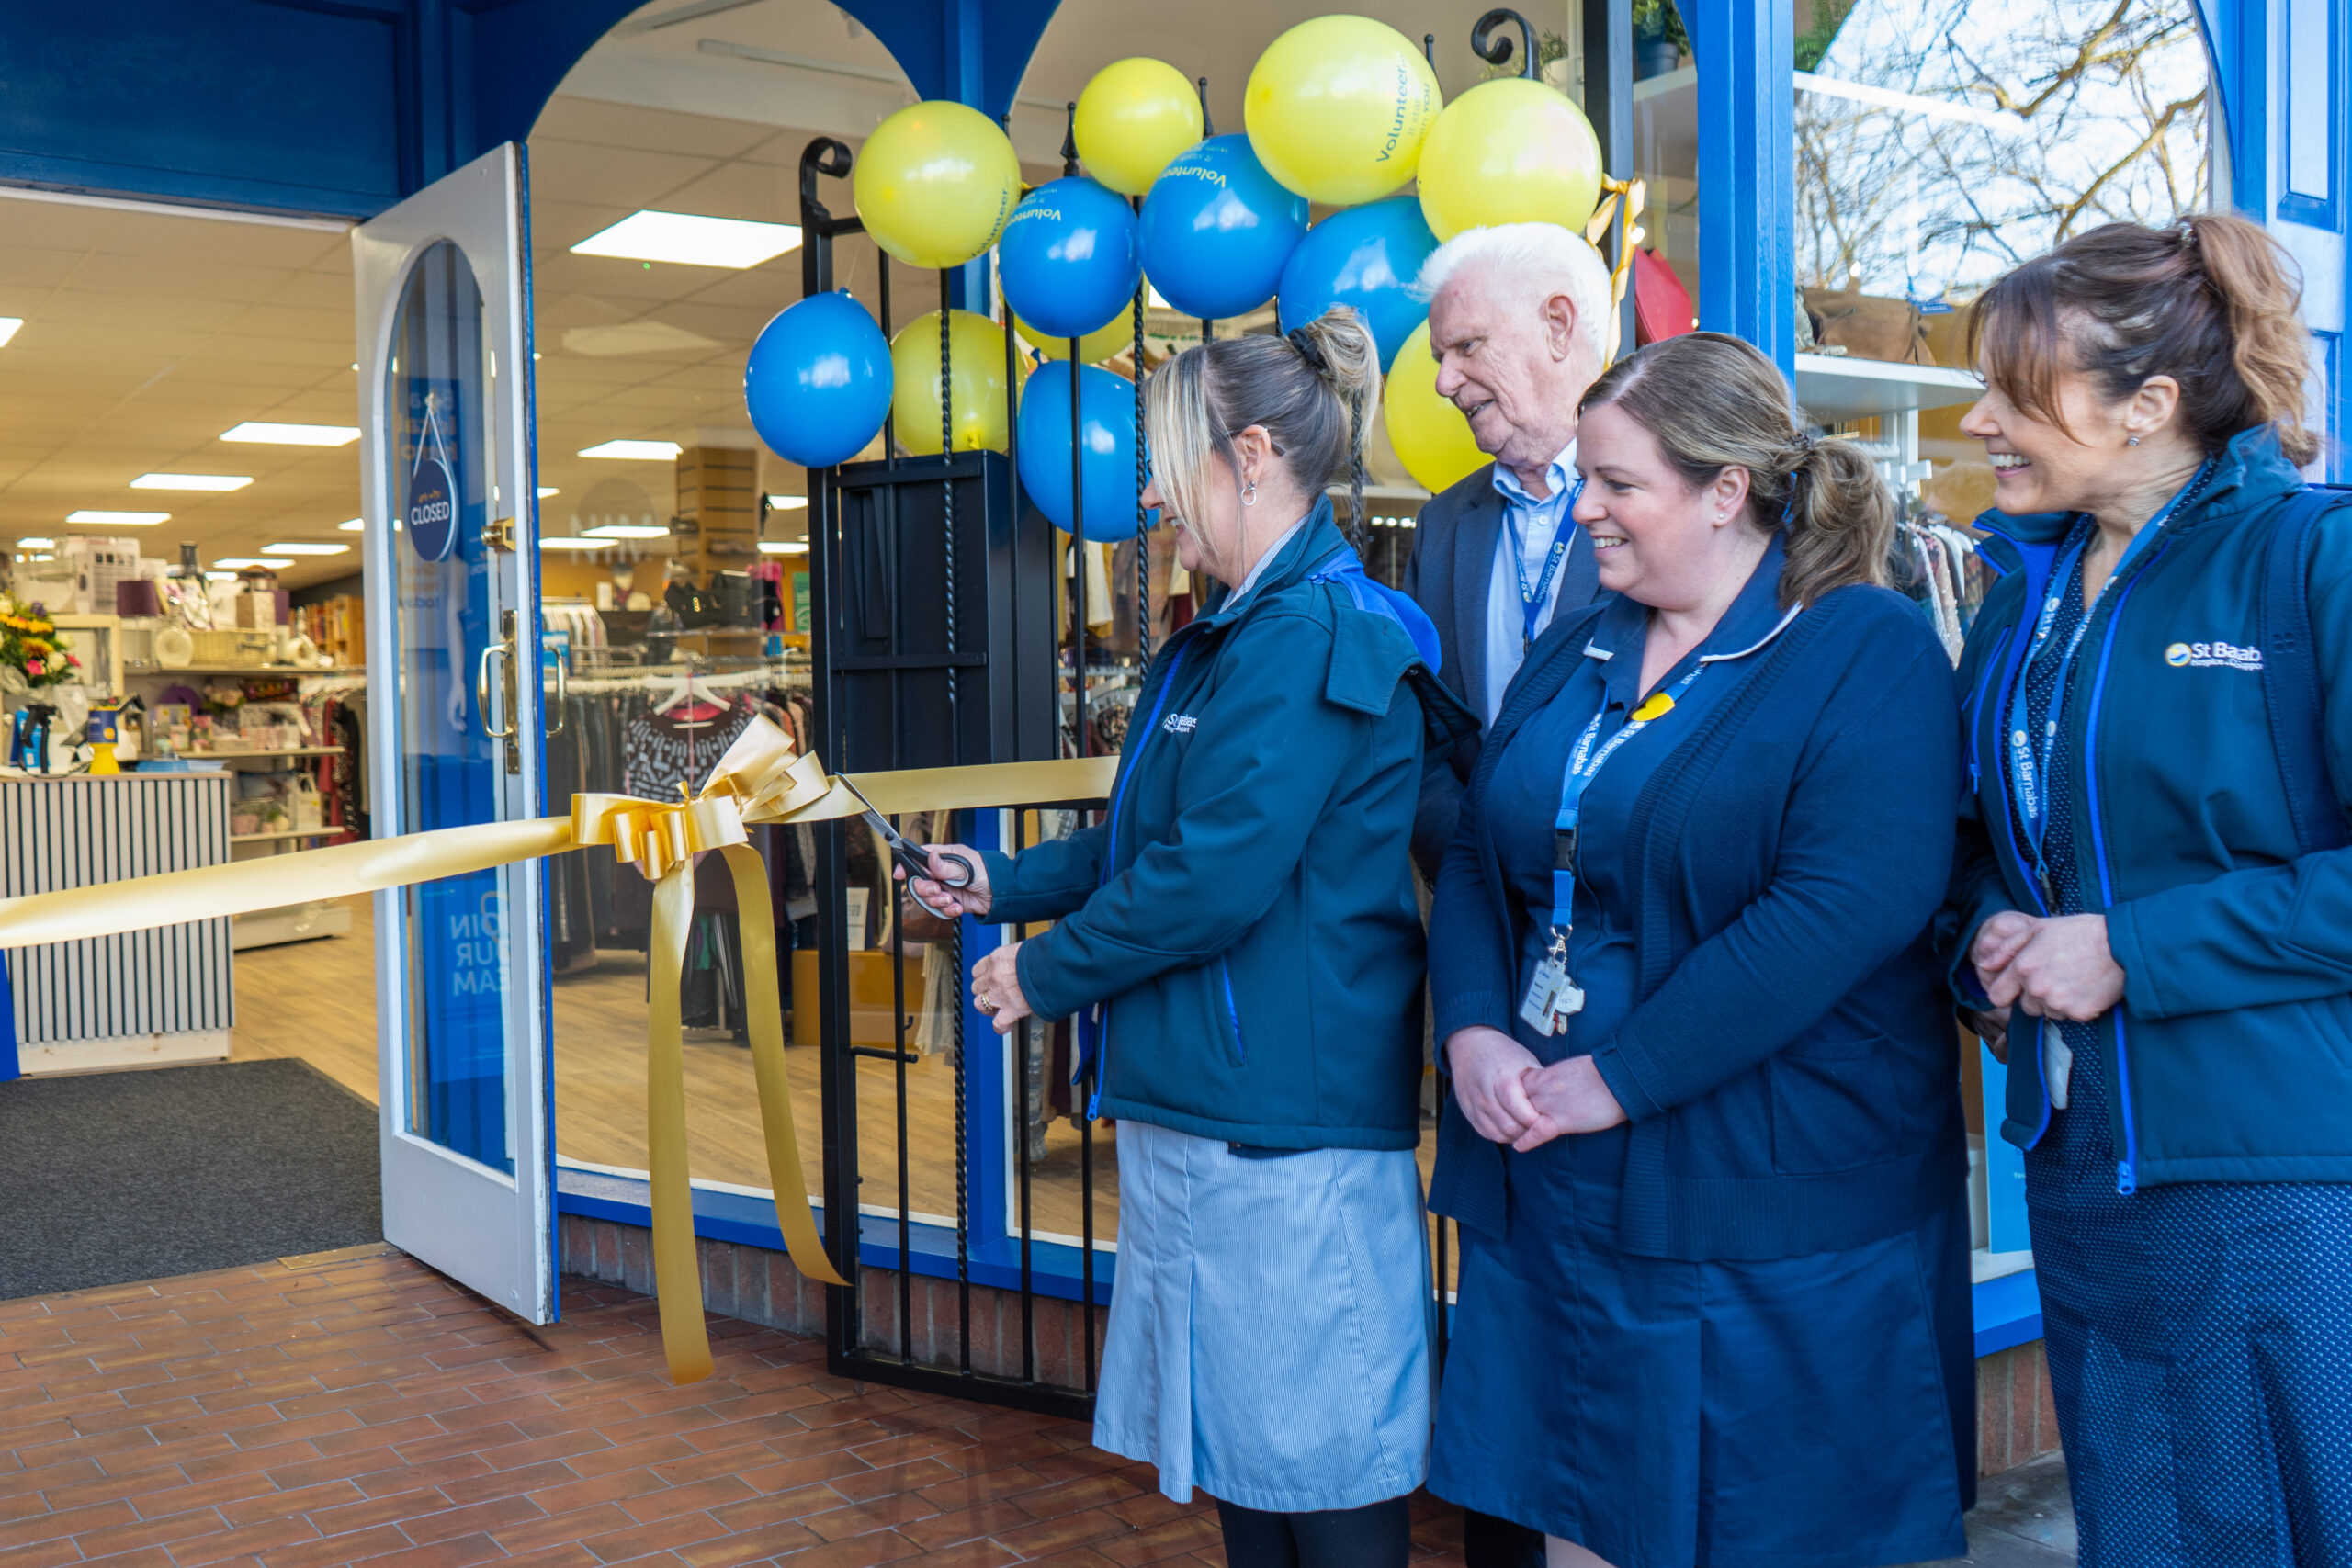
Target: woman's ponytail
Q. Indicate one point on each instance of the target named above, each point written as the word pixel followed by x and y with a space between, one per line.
pixel 1840 521
pixel 1337 345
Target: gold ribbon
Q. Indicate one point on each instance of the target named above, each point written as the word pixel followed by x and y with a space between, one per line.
pixel 758 780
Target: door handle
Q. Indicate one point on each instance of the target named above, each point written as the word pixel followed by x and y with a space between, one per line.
pixel 563 690
pixel 481 693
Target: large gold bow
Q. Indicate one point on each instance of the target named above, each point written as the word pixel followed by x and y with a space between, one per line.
pixel 758 780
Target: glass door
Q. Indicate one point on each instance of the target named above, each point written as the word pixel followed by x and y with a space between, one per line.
pixel 451 537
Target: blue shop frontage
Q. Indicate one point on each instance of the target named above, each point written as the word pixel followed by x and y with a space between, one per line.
pixel 373 378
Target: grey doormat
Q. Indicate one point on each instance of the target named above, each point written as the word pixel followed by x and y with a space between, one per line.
pixel 107 1177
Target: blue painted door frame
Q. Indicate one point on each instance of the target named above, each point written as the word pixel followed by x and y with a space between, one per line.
pixel 2281 68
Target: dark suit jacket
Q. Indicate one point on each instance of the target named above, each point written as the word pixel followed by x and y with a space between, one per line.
pixel 1449 573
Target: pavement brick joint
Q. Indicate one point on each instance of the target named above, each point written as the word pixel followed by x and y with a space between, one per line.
pixel 359 1407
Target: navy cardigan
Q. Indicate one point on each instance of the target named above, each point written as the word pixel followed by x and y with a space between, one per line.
pixel 1791 1067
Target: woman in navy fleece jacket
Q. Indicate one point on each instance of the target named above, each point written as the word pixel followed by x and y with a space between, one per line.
pixel 1713 1299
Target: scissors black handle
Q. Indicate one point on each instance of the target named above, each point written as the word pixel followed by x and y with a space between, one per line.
pixel 960 873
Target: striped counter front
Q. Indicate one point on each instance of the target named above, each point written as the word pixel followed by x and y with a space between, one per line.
pixel 139 998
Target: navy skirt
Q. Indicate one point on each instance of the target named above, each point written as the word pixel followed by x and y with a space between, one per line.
pixel 2201 1350
pixel 1797 1412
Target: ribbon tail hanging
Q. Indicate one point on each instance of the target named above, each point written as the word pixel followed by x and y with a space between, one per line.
pixel 764 1005
pixel 677 1261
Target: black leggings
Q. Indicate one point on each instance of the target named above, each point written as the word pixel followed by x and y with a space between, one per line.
pixel 1377 1535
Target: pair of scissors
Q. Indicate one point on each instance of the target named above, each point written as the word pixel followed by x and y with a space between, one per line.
pixel 913 859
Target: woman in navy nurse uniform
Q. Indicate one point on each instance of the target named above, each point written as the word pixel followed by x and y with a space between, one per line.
pixel 1704 1137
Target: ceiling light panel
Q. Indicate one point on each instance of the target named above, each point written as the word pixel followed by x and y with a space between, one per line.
pixel 788 502
pixel 119 519
pixel 8 326
pixel 691 240
pixel 293 435
pixel 36 544
pixel 356 525
pixel 563 542
pixel 298 548
pixel 784 546
pixel 191 481
pixel 641 451
pixel 232 563
pixel 627 530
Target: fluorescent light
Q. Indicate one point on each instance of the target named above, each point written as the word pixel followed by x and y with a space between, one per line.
pixel 220 577
pixel 627 530
pixel 119 519
pixel 642 451
pixel 286 548
pixel 356 525
pixel 788 502
pixel 784 546
pixel 274 563
pixel 566 542
pixel 547 490
pixel 293 435
pixel 191 481
pixel 36 544
pixel 8 326
pixel 690 239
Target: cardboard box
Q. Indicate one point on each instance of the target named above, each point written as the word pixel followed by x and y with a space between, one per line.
pixel 869 989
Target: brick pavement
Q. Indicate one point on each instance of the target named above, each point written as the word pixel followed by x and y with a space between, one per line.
pixel 361 1408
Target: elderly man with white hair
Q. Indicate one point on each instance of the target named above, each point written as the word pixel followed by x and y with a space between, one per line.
pixel 1519 318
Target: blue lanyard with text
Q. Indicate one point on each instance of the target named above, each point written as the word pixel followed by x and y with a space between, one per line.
pixel 2030 754
pixel 1532 600
pixel 1584 763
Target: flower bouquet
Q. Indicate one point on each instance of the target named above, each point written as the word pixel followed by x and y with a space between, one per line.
pixel 32 652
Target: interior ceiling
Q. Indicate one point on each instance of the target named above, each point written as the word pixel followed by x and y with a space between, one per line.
pixel 148 333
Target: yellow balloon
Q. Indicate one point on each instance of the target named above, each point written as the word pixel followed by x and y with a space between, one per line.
pixel 935 184
pixel 1337 109
pixel 975 382
pixel 1133 118
pixel 1510 151
pixel 1103 342
pixel 1430 436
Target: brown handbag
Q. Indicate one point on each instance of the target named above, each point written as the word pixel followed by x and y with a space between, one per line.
pixel 1869 326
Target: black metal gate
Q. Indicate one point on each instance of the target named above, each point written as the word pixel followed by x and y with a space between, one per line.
pixel 934 643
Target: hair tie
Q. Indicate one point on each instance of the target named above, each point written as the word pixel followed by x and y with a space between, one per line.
pixel 1310 351
pixel 2188 235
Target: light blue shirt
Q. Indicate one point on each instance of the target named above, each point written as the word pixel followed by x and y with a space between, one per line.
pixel 1537 520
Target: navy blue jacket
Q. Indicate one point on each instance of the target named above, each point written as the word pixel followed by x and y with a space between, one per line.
pixel 2231 1059
pixel 1790 1068
pixel 1450 572
pixel 1246 910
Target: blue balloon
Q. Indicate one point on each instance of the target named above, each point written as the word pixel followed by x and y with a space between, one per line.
pixel 1069 258
pixel 1217 229
pixel 1107 408
pixel 1366 256
pixel 817 383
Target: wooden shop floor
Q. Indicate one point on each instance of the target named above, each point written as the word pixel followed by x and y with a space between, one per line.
pixel 315 1000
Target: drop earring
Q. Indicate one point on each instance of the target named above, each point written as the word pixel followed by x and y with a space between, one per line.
pixel 1249 494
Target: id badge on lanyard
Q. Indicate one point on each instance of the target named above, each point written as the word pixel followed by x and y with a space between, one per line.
pixel 1553 995
pixel 1532 599
pixel 2030 754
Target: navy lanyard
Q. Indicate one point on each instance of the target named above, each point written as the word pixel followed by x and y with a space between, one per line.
pixel 1584 761
pixel 1532 599
pixel 2030 754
